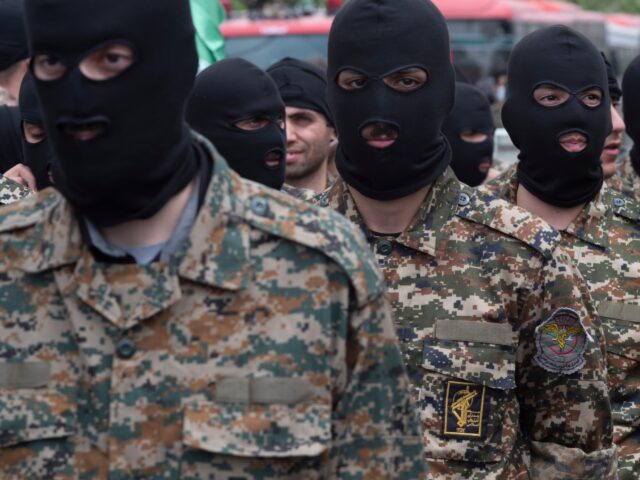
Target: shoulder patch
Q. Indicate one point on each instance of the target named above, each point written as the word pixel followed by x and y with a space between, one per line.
pixel 35 234
pixel 561 342
pixel 320 229
pixel 481 207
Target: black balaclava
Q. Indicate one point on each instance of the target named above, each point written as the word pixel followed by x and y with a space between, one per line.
pixel 301 85
pixel 615 92
pixel 234 90
pixel 10 146
pixel 558 56
pixel 631 109
pixel 13 39
pixel 145 156
pixel 376 38
pixel 37 156
pixel 470 112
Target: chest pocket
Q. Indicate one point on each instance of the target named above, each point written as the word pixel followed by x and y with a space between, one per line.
pixel 262 427
pixel 467 397
pixel 621 324
pixel 35 421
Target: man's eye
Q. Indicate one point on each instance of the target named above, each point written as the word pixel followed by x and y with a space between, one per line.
pixel 356 83
pixel 407 82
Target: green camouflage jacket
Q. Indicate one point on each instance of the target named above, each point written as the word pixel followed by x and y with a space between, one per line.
pixel 626 180
pixel 604 242
pixel 11 191
pixel 264 350
pixel 499 338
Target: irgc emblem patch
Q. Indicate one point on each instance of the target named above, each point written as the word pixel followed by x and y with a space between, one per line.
pixel 561 342
pixel 465 409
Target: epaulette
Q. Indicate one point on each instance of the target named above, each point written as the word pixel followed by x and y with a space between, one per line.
pixel 323 230
pixel 497 214
pixel 32 237
pixel 29 211
pixel 11 191
pixel 625 206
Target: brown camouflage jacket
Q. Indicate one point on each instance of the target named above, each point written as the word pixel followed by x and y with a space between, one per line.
pixel 499 337
pixel 626 180
pixel 264 350
pixel 604 242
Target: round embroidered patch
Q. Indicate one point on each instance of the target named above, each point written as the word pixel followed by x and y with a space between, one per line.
pixel 561 342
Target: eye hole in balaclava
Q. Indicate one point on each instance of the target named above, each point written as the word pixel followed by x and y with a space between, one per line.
pixel 558 115
pixel 38 155
pixel 105 62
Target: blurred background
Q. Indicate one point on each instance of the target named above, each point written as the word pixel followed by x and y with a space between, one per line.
pixel 483 32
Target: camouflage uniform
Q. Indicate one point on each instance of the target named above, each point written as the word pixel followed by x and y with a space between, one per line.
pixel 470 280
pixel 11 191
pixel 604 242
pixel 626 180
pixel 304 194
pixel 265 350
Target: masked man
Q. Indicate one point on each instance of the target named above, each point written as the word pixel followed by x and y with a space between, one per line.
pixel 498 332
pixel 469 128
pixel 161 317
pixel 558 114
pixel 629 168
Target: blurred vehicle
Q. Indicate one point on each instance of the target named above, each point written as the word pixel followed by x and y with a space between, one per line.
pixel 483 33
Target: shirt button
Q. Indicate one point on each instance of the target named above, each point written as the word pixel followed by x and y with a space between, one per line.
pixel 618 202
pixel 385 247
pixel 260 206
pixel 125 349
pixel 463 200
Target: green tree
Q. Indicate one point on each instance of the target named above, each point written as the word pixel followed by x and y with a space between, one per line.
pixel 632 6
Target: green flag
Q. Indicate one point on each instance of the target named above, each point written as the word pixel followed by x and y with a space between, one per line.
pixel 207 17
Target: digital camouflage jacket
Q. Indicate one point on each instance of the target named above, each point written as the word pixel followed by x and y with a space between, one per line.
pixel 604 242
pixel 499 337
pixel 626 180
pixel 264 350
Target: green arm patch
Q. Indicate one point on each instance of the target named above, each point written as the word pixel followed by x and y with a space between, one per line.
pixel 24 375
pixel 473 331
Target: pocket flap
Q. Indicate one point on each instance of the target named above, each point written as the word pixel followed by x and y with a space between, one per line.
pixel 259 430
pixel 34 414
pixel 478 352
pixel 621 324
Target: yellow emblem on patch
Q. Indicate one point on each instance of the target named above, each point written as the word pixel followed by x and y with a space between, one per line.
pixel 464 409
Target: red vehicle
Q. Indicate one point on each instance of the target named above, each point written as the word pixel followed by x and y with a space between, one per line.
pixel 483 33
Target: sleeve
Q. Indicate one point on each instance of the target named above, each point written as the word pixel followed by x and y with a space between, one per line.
pixel 376 429
pixel 565 408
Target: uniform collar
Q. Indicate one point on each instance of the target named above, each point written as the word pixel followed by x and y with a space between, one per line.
pixel 591 223
pixel 426 230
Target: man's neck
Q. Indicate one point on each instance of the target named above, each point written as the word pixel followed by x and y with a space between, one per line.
pixel 316 181
pixel 155 230
pixel 558 217
pixel 393 216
